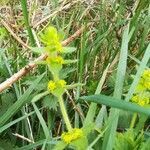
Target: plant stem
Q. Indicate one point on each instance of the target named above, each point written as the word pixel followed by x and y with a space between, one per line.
pixel 64 113
pixel 133 120
pixel 26 19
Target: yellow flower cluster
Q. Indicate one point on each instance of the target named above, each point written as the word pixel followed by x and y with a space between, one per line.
pixel 52 39
pixel 142 93
pixel 146 79
pixel 57 60
pixel 144 83
pixel 141 99
pixel 72 135
pixel 52 85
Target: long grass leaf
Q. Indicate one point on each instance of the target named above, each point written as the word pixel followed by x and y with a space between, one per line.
pixel 42 121
pixel 109 136
pixel 92 109
pixel 116 103
pixel 26 19
pixel 141 68
pixel 20 102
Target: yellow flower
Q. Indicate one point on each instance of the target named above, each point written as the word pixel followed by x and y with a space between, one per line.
pixel 72 135
pixel 58 46
pixel 146 79
pixel 147 85
pixel 141 99
pixel 57 60
pixel 52 39
pixel 141 103
pixel 62 83
pixel 146 74
pixel 51 85
pixel 135 99
pixel 144 83
pixel 55 86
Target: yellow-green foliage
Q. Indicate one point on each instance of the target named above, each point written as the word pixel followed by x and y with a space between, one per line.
pixel 142 93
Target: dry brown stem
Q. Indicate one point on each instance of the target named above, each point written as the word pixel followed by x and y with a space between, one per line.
pixel 8 83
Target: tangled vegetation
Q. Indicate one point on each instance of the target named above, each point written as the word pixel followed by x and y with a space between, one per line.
pixel 74 75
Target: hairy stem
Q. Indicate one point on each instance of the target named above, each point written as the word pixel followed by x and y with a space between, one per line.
pixel 64 113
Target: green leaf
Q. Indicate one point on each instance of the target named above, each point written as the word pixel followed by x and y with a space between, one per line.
pixel 50 102
pixel 50 36
pixel 6 100
pixel 68 49
pixel 145 145
pixel 141 68
pixel 79 144
pixel 6 145
pixel 26 20
pixel 12 110
pixel 39 96
pixel 64 72
pixel 70 61
pixel 35 145
pixel 38 50
pixel 60 146
pixel 121 71
pixel 3 128
pixel 92 109
pixel 128 140
pixel 42 121
pixel 116 103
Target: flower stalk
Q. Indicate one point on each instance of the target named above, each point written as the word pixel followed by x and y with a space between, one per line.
pixel 64 113
pixel 55 62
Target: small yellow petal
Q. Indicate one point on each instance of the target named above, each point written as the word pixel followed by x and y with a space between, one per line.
pixel 62 83
pixel 51 85
pixel 72 135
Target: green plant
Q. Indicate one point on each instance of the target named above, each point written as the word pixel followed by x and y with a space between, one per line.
pixel 49 108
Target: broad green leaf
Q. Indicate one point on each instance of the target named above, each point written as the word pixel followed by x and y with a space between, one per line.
pixel 50 102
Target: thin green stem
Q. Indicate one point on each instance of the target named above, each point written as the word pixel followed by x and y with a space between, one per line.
pixel 64 113
pixel 26 19
pixel 133 120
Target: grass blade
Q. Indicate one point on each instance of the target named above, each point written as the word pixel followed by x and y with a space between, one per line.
pixel 20 102
pixel 93 106
pixel 43 123
pixel 109 136
pixel 35 145
pixel 26 19
pixel 116 103
pixel 141 68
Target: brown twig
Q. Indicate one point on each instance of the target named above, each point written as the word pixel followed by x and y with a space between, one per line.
pixel 8 83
